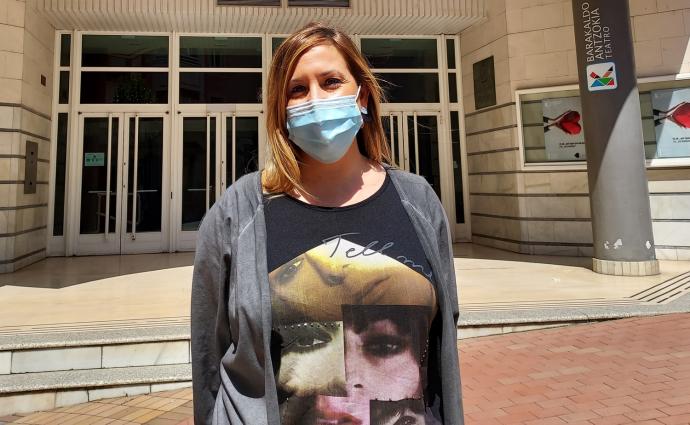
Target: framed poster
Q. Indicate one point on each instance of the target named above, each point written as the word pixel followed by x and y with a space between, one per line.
pixel 671 113
pixel 563 133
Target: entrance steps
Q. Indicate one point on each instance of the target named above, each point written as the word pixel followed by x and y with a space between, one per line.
pixel 45 371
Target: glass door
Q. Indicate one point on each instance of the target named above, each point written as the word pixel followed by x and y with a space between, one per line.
pixel 392 126
pixel 414 141
pixel 145 168
pixel 239 148
pixel 217 149
pixel 422 147
pixel 198 175
pixel 118 153
pixel 99 184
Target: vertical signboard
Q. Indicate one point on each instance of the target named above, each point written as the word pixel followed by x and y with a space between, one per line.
pixel 619 195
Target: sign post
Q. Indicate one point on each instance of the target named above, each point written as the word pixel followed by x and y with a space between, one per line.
pixel 619 196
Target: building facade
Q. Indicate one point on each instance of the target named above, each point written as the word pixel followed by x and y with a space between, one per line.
pixel 122 122
pixel 528 186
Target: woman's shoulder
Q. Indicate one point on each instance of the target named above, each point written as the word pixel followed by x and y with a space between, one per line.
pixel 240 200
pixel 415 188
pixel 247 188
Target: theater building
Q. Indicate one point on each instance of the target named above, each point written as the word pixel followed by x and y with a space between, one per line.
pixel 121 122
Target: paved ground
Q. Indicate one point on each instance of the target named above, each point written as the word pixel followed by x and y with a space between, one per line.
pixel 163 408
pixel 67 294
pixel 628 371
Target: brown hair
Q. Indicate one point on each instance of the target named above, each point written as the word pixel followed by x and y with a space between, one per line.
pixel 282 173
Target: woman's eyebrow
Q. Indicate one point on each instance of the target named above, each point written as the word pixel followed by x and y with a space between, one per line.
pixel 329 72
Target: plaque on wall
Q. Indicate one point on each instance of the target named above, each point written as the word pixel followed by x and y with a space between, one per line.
pixel 484 83
pixel 30 167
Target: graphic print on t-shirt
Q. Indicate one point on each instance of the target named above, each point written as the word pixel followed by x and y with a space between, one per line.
pixel 353 326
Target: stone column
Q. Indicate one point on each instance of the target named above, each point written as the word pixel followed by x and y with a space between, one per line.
pixel 618 188
pixel 26 74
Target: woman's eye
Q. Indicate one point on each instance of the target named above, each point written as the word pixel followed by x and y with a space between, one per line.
pixel 288 271
pixel 308 337
pixel 333 82
pixel 310 342
pixel 406 420
pixel 297 90
pixel 383 346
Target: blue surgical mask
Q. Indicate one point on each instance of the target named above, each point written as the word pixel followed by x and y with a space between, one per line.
pixel 325 128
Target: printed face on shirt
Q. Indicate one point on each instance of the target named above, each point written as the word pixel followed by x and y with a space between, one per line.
pixel 313 286
pixel 384 349
pixel 352 328
pixel 312 359
pixel 403 412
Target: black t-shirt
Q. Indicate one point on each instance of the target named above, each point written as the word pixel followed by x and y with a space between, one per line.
pixel 352 303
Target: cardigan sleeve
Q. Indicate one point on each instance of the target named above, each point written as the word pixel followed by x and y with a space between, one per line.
pixel 210 331
pixel 448 263
pixel 449 362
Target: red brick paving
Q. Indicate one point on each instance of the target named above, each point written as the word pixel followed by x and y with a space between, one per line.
pixel 629 371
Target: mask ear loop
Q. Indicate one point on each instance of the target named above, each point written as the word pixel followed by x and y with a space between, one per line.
pixel 362 109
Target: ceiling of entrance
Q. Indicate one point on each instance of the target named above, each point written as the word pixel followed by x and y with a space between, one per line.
pixel 371 17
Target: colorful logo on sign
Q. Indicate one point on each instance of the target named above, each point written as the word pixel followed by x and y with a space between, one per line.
pixel 601 76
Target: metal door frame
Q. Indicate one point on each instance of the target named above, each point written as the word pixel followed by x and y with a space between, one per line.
pixel 142 242
pixel 99 243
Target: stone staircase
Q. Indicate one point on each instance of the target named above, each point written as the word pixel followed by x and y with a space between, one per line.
pixel 42 371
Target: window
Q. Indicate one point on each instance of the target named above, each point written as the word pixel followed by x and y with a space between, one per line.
pixel 65 48
pixel 409 87
pixel 60 169
pixel 400 53
pixel 552 125
pixel 220 52
pixel 457 166
pixel 63 90
pixel 452 71
pixel 220 87
pixel 406 68
pixel 232 69
pixel 275 43
pixel 124 51
pixel 124 87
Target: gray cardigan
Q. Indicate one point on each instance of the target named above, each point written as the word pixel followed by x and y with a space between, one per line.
pixel 233 377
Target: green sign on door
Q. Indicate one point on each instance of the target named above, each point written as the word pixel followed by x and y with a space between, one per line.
pixel 94 159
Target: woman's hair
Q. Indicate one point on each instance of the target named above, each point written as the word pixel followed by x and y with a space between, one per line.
pixel 282 173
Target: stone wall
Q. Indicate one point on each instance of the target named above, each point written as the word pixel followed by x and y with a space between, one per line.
pixel 26 88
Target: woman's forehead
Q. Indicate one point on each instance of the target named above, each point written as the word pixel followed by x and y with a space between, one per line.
pixel 319 59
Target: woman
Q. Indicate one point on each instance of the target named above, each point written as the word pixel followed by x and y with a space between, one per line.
pixel 324 289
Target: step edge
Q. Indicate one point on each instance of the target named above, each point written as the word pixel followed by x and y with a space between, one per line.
pixel 103 378
pixel 35 341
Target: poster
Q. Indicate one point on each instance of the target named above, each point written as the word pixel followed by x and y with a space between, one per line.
pixel 564 138
pixel 671 112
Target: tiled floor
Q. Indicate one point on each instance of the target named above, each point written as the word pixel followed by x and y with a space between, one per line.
pixel 628 371
pixel 488 277
pixel 69 293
